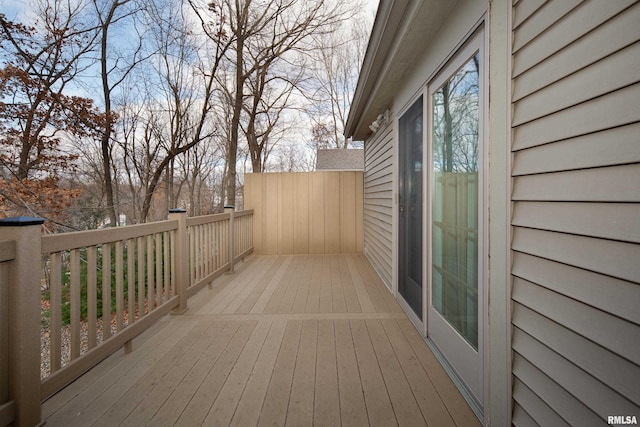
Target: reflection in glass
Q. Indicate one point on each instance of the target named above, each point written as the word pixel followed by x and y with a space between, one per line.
pixel 455 200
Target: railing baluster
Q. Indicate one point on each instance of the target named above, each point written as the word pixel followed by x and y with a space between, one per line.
pixel 216 228
pixel 106 291
pixel 172 235
pixel 240 235
pixel 198 255
pixel 210 245
pixel 226 238
pixel 131 281
pixel 158 284
pixel 140 277
pixel 220 245
pixel 231 235
pixel 166 265
pixel 119 285
pixel 236 236
pixel 199 251
pixel 75 303
pixel 92 296
pixel 224 246
pixel 55 306
pixel 195 261
pixel 192 255
pixel 150 287
pixel 205 251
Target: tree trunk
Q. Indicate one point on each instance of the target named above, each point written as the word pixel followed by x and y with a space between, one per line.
pixel 108 180
pixel 232 153
pixel 255 148
pixel 106 135
pixel 448 130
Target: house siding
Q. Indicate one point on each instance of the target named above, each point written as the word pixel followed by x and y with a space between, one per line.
pixel 378 202
pixel 576 211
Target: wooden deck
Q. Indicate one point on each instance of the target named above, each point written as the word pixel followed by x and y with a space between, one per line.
pixel 287 340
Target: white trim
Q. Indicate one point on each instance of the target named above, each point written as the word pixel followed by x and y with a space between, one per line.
pixel 499 382
pixel 394 213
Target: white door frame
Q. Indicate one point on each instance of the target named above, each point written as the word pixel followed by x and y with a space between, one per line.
pixel 448 342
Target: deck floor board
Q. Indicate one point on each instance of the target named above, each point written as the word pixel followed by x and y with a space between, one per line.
pixel 173 407
pixel 250 405
pixel 286 340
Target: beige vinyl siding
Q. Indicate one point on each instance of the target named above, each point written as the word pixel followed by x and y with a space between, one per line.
pixel 576 211
pixel 378 202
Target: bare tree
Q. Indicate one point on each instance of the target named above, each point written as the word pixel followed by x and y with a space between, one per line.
pixel 336 64
pixel 37 113
pixel 202 168
pixel 455 121
pixel 179 101
pixel 263 34
pixel 115 66
pixel 265 108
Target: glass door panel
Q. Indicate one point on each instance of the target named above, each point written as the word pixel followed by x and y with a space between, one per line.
pixel 454 269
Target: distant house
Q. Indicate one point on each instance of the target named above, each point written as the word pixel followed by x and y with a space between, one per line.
pixel 339 159
pixel 502 197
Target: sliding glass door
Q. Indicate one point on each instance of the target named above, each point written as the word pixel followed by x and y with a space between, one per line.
pixel 455 273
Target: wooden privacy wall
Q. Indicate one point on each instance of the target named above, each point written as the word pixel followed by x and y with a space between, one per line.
pixel 306 213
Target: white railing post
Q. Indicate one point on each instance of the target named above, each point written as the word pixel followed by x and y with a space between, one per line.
pixel 24 312
pixel 182 258
pixel 230 210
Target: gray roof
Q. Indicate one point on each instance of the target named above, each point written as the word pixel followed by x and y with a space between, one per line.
pixel 340 159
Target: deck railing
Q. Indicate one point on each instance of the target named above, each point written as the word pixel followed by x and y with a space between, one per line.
pixel 243 229
pixel 134 262
pixel 99 290
pixel 208 251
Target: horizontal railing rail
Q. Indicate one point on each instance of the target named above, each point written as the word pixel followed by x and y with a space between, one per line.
pixel 78 239
pixel 98 290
